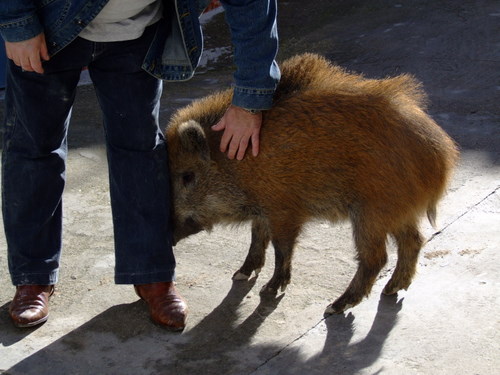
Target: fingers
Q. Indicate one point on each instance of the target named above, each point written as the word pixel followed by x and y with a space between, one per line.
pixel 35 64
pixel 28 54
pixel 225 141
pixel 44 52
pixel 22 61
pixel 226 137
pixel 256 143
pixel 30 63
pixel 235 145
pixel 232 143
pixel 219 126
pixel 240 129
pixel 238 149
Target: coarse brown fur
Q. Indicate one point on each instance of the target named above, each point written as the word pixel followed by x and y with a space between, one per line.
pixel 334 146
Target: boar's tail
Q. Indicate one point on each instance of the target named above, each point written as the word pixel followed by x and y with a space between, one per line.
pixel 431 214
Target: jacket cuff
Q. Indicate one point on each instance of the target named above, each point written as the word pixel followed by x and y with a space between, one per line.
pixel 260 99
pixel 22 29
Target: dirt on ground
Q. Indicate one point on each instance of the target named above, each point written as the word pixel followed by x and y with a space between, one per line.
pixel 446 323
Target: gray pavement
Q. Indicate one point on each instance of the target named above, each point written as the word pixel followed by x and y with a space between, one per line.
pixel 446 323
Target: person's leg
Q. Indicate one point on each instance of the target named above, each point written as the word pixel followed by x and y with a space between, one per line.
pixel 33 171
pixel 137 158
pixel 139 176
pixel 38 108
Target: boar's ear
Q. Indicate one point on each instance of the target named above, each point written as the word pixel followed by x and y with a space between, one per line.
pixel 193 140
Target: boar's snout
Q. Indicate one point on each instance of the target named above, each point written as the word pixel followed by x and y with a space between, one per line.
pixel 185 229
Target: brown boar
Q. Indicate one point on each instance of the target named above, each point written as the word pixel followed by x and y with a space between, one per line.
pixel 334 146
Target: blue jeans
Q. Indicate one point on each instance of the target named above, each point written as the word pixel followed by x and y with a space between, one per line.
pixel 38 110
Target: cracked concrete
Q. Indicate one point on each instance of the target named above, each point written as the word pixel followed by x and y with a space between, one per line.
pixel 446 323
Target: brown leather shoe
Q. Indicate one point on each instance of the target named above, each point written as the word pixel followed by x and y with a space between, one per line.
pixel 166 306
pixel 30 305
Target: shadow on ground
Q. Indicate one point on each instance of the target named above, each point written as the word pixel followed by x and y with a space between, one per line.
pixel 452 47
pixel 216 345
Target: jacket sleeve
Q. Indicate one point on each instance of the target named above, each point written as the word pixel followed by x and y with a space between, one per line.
pixel 255 40
pixel 18 20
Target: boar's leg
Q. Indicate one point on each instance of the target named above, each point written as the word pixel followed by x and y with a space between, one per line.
pixel 256 256
pixel 372 256
pixel 409 241
pixel 283 237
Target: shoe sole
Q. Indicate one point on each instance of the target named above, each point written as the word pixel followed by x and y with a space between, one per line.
pixel 168 328
pixel 31 324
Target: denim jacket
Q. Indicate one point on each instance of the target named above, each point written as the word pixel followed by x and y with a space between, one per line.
pixel 175 52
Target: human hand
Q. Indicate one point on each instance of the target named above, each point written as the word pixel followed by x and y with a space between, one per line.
pixel 28 54
pixel 240 129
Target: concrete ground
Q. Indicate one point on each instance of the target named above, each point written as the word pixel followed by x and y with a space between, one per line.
pixel 446 323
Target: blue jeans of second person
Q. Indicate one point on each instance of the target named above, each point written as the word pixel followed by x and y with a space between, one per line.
pixel 38 109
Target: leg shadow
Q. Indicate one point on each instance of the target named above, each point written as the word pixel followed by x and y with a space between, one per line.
pixel 216 344
pixel 339 355
pixel 122 340
pixel 360 355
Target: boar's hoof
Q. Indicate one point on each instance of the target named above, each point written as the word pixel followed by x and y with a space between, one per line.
pixel 388 291
pixel 336 309
pixel 240 276
pixel 268 291
pixel 393 287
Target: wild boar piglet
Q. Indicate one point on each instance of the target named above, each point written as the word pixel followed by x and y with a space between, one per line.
pixel 335 146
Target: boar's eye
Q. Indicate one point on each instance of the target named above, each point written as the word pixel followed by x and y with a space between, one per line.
pixel 187 178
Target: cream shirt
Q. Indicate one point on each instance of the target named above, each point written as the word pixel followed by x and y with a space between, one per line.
pixel 122 20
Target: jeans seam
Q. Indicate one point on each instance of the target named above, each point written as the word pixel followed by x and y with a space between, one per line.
pixel 144 274
pixel 7 137
pixel 52 276
pixel 38 273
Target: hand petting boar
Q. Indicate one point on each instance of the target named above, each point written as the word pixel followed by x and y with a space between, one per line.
pixel 334 146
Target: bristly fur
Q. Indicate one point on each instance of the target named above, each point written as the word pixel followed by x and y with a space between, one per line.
pixel 335 146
